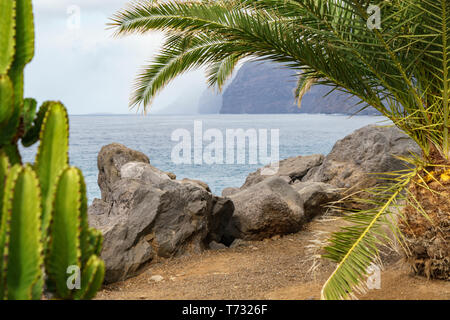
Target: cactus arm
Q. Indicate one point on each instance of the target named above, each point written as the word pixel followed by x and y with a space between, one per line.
pixel 25 256
pixel 29 112
pixel 24 51
pixel 5 225
pixel 4 168
pixel 9 118
pixel 91 279
pixel 85 244
pixel 91 239
pixel 7 30
pixel 96 241
pixel 24 33
pixel 64 245
pixel 52 156
pixel 32 134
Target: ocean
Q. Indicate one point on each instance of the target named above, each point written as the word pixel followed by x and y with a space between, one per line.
pixel 299 134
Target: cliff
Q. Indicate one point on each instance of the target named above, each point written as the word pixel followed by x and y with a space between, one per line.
pixel 264 87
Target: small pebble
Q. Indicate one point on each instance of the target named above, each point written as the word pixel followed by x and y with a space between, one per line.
pixel 157 278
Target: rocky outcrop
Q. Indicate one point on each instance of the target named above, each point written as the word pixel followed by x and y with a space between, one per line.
pixel 147 215
pixel 268 208
pixel 355 160
pixel 291 169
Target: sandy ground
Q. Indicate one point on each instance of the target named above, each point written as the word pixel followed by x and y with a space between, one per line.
pixel 278 268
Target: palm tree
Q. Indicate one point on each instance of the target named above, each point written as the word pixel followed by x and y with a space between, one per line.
pixel 401 69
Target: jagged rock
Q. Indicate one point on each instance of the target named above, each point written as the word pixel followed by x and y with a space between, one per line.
pixel 266 209
pixel 354 159
pixel 291 169
pixel 315 196
pixel 110 159
pixel 149 215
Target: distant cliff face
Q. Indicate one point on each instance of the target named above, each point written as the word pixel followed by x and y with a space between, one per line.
pixel 264 87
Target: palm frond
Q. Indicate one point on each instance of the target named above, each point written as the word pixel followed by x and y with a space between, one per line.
pixel 355 247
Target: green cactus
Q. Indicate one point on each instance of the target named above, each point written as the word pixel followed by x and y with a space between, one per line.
pixel 23 259
pixel 44 228
pixel 7 29
pixel 52 156
pixel 68 236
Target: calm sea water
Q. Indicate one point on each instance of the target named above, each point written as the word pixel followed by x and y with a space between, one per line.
pixel 300 134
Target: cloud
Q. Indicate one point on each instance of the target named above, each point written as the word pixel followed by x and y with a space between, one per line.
pixel 87 68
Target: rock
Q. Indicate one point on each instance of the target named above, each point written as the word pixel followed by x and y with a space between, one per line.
pixel 291 169
pixel 172 175
pixel 198 183
pixel 110 160
pixel 266 209
pixel 221 214
pixel 229 191
pixel 216 246
pixel 315 196
pixel 98 211
pixel 149 215
pixel 157 278
pixel 370 149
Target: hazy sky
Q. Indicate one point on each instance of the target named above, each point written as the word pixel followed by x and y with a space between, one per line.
pixel 87 68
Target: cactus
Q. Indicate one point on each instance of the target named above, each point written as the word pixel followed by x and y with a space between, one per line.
pixel 43 207
pixel 69 233
pixel 52 156
pixel 23 258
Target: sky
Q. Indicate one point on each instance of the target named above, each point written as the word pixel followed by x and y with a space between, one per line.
pixel 79 62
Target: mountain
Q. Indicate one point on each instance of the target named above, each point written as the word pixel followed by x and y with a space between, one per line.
pixel 265 87
pixel 210 102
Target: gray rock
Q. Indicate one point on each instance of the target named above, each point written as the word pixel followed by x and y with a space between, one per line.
pixel 216 246
pixel 291 169
pixel 315 196
pixel 355 158
pixel 268 208
pixel 222 211
pixel 149 215
pixel 110 160
pixel 198 183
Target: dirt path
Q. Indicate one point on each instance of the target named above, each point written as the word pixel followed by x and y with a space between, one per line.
pixel 271 269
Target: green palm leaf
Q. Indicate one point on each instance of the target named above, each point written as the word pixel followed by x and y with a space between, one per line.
pixel 402 70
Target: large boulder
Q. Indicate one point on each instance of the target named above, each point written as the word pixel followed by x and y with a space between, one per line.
pixel 291 169
pixel 268 208
pixel 147 215
pixel 354 160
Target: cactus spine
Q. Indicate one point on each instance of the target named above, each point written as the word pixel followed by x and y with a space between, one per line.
pixel 43 207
